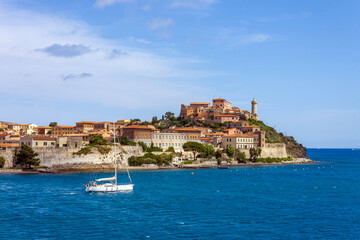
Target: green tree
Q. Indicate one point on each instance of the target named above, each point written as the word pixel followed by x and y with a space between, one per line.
pixel 154 120
pixel 2 162
pixel 218 153
pixel 194 147
pixel 125 141
pixel 209 150
pixel 170 149
pixel 241 158
pixel 143 145
pixel 53 124
pixel 218 161
pixel 230 151
pixel 254 153
pixel 27 157
pixel 97 140
pixel 2 130
pixel 168 115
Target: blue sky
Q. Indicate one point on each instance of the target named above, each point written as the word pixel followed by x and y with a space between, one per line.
pixel 104 60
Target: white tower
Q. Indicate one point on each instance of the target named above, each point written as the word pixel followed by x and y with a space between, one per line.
pixel 254 114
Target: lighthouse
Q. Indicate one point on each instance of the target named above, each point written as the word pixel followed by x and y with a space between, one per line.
pixel 254 114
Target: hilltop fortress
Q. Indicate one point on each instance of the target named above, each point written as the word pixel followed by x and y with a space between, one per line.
pixel 221 111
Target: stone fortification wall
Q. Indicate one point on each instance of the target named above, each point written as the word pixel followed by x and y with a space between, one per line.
pixel 273 150
pixel 9 157
pixel 64 159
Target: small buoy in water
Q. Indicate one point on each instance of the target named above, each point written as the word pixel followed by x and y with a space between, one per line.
pixel 192 173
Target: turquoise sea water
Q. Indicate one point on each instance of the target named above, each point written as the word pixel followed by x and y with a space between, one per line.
pixel 315 201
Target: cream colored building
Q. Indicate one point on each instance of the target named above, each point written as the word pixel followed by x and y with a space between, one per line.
pixel 166 140
pixel 29 128
pixel 238 141
pixel 38 141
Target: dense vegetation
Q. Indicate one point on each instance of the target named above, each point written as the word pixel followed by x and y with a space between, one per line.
pixel 272 136
pixel 273 160
pixel 150 158
pixel 2 162
pixel 125 141
pixel 83 151
pixel 97 140
pixel 193 147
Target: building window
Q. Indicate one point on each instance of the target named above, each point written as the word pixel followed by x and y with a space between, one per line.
pixel 36 143
pixel 45 143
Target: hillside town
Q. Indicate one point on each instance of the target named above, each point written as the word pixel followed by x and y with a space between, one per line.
pixel 239 134
pixel 219 124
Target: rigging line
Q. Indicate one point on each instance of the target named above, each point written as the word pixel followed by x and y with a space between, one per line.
pixel 122 158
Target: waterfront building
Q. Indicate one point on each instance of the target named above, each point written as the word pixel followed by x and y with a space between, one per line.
pixel 259 138
pixel 138 132
pixel 38 141
pixel 8 146
pixel 238 141
pixel 167 139
pixel 193 134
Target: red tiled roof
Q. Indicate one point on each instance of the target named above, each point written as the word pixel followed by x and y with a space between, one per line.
pixel 138 127
pixel 62 126
pixel 239 135
pixel 250 126
pixel 4 135
pixel 229 129
pixel 43 138
pixel 9 145
pixel 187 129
pixel 223 115
pixel 90 122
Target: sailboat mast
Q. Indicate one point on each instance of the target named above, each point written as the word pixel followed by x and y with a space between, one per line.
pixel 115 156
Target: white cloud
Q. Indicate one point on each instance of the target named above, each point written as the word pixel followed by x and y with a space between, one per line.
pixel 160 23
pixel 105 3
pixel 118 75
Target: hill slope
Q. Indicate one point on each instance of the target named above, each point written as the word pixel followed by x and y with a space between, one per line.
pixel 294 148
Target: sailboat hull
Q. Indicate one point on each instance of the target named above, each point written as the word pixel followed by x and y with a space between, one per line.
pixel 110 188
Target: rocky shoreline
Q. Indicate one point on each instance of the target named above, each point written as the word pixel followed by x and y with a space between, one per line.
pixel 74 168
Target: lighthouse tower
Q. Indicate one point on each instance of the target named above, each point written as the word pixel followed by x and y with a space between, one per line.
pixel 254 114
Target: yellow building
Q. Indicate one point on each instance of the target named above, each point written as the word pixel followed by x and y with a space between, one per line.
pixel 238 141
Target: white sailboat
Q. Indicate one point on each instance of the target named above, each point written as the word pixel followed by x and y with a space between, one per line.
pixel 110 184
